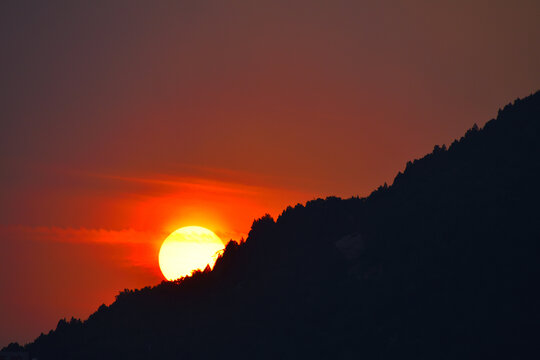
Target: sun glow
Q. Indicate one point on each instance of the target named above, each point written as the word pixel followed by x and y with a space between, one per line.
pixel 188 249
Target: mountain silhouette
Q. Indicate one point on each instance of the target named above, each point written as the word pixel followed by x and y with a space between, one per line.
pixel 442 264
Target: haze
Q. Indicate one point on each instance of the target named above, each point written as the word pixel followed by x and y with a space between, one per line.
pixel 122 122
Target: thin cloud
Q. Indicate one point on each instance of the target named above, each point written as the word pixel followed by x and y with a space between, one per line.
pixel 133 248
pixel 82 235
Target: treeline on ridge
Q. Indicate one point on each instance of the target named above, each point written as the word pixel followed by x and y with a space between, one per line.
pixel 442 264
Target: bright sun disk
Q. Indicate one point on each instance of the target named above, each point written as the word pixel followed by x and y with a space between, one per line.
pixel 188 249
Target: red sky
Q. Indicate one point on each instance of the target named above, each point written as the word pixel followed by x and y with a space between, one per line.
pixel 122 122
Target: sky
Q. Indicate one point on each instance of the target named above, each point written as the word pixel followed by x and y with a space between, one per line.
pixel 121 121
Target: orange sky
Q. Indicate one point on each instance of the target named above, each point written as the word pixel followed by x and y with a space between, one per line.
pixel 122 121
pixel 104 232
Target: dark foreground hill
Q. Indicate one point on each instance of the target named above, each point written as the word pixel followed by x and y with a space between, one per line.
pixel 442 264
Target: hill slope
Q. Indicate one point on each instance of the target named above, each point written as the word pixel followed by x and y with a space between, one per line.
pixel 442 264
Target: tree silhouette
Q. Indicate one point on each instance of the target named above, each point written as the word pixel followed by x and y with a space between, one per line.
pixel 442 264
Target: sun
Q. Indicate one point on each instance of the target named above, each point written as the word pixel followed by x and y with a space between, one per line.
pixel 187 249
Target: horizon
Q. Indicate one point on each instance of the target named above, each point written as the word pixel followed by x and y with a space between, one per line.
pixel 122 123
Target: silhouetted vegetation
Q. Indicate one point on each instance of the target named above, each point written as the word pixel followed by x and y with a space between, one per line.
pixel 442 264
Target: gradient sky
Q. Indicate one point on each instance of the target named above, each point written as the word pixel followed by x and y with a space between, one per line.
pixel 122 121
